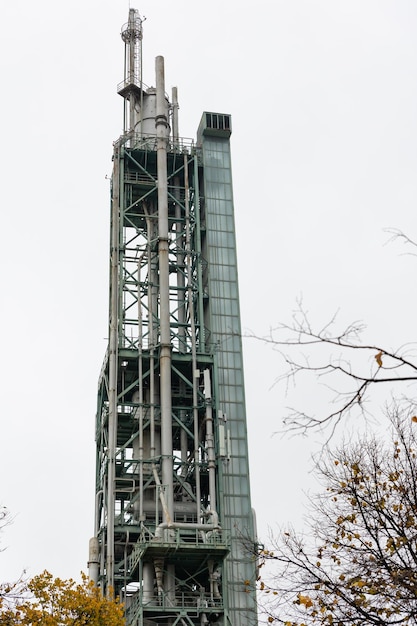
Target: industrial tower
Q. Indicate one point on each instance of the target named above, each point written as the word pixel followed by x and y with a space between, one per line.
pixel 173 512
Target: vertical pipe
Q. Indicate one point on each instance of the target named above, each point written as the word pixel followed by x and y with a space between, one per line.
pixel 148 575
pixel 175 107
pixel 184 452
pixel 161 124
pixel 113 357
pixel 180 241
pixel 94 560
pixel 211 456
pixel 121 328
pixel 140 378
pixel 140 84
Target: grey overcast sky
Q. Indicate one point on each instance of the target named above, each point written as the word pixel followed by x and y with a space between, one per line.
pixel 323 98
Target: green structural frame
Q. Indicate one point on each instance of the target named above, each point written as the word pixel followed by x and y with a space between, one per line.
pixel 193 566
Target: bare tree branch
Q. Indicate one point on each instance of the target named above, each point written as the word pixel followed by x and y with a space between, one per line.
pixel 398 235
pixel 10 592
pixel 338 359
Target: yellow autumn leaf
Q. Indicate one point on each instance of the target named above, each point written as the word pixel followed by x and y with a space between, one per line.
pixel 305 600
pixel 53 600
pixel 414 419
pixel 378 358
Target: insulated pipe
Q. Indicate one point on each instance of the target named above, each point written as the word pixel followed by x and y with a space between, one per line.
pixel 214 578
pixel 161 124
pixel 210 567
pixel 184 449
pixel 93 560
pixel 140 83
pixel 165 509
pixel 185 526
pixel 211 455
pixel 175 107
pixel 159 575
pixel 140 377
pixel 147 582
pixel 97 516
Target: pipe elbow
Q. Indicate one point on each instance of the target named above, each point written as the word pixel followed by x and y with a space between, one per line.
pixel 215 518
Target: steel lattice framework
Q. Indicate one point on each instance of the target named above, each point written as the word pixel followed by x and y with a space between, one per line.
pixel 173 513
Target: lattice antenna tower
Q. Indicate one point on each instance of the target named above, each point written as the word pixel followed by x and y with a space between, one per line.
pixel 132 35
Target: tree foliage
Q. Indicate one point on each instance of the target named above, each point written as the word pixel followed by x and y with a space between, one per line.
pixel 50 601
pixel 358 563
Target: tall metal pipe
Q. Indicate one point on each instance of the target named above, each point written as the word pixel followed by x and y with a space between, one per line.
pixel 140 394
pixel 148 575
pixel 94 560
pixel 161 125
pixel 211 455
pixel 175 107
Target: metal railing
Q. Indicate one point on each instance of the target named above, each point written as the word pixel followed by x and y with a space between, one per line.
pixel 179 537
pixel 148 142
pixel 191 603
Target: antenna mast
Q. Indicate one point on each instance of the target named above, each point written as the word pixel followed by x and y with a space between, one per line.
pixel 131 87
